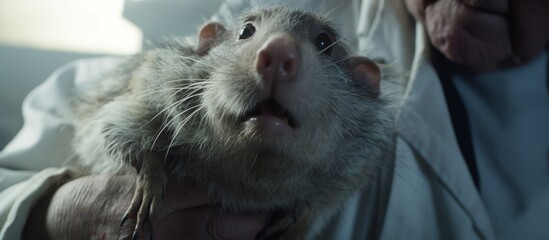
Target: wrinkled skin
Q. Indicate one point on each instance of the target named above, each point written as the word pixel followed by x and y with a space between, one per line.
pixel 102 199
pixel 485 35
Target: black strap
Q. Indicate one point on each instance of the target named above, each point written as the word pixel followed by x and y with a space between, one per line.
pixel 458 113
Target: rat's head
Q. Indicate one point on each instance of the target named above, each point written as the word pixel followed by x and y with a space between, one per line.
pixel 284 96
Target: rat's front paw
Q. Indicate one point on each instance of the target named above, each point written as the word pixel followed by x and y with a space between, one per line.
pixel 149 192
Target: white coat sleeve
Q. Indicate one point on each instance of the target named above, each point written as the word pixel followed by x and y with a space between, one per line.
pixel 32 163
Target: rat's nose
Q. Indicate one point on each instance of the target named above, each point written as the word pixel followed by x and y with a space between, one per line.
pixel 278 59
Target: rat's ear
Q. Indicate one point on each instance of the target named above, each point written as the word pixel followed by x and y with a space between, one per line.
pixel 208 36
pixel 367 72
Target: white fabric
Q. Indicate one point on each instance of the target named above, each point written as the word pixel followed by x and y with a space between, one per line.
pixel 429 194
pixel 508 113
pixel 32 162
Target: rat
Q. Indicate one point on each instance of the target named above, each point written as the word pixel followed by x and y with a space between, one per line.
pixel 271 115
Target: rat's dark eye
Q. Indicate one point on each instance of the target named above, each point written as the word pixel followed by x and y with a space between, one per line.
pixel 247 31
pixel 323 42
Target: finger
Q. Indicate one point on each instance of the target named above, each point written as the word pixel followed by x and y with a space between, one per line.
pixel 204 223
pixel 466 35
pixel 529 27
pixel 233 226
pixel 182 195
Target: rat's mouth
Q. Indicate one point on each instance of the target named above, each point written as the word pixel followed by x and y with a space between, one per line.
pixel 270 109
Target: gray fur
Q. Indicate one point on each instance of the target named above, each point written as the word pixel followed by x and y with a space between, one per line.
pixel 186 108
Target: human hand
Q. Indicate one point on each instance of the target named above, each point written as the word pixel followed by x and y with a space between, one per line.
pixel 92 207
pixel 185 214
pixel 485 34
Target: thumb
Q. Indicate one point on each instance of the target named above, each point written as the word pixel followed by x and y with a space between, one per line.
pixel 181 195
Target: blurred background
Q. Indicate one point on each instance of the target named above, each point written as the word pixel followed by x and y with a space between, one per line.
pixel 39 36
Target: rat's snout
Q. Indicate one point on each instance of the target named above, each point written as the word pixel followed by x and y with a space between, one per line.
pixel 278 60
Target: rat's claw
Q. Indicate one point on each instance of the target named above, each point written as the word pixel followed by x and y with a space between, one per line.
pixel 149 189
pixel 153 209
pixel 134 205
pixel 142 216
